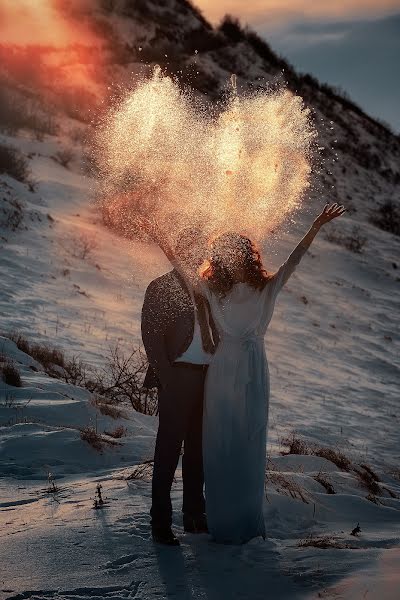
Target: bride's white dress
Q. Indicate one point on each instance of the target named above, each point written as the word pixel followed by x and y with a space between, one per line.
pixel 236 406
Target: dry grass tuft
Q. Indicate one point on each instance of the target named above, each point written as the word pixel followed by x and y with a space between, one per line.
pixel 367 480
pixel 324 542
pixel 323 479
pixel 387 217
pixel 364 473
pixel 370 471
pixel 296 445
pixel 335 456
pixel 14 163
pixel 353 241
pixel 10 374
pixel 108 409
pixel 299 446
pixel 46 354
pixel 90 435
pixel 287 486
pixel 143 471
pixel 373 499
pixel 117 433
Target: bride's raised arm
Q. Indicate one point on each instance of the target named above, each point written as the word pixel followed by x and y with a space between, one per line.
pixel 287 268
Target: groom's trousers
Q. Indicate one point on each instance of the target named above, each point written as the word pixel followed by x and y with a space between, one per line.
pixel 180 421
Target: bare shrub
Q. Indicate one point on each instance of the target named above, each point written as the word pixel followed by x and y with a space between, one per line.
pixel 108 6
pixel 77 103
pixel 90 435
pixel 10 374
pixel 332 235
pixel 83 245
pixel 76 372
pixel 353 241
pixel 122 377
pixel 90 164
pixel 109 410
pixel 118 382
pixel 117 433
pixel 12 214
pixel 78 135
pixel 387 217
pixel 9 401
pixel 64 157
pixel 19 111
pixel 14 163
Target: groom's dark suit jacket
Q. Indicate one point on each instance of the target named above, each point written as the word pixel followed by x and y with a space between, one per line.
pixel 167 324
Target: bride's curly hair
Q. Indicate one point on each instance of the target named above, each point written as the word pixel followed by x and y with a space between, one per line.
pixel 226 250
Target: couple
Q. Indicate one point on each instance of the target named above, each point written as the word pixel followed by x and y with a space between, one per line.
pixel 204 339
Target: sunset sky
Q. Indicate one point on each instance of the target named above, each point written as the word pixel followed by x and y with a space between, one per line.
pixel 354 44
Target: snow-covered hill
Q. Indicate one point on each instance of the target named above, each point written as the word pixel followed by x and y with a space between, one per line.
pixel 360 156
pixel 333 350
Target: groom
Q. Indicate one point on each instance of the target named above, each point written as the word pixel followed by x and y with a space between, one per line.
pixel 179 343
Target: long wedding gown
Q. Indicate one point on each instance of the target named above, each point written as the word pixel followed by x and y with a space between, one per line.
pixel 236 407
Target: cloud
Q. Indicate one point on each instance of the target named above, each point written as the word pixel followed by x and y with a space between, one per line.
pixel 298 38
pixel 359 56
pixel 278 13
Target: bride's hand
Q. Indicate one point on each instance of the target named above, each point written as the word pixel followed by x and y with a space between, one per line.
pixel 329 213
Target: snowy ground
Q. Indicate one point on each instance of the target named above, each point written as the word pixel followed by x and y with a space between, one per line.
pixel 333 350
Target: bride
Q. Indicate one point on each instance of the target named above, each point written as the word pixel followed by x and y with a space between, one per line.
pixel 241 295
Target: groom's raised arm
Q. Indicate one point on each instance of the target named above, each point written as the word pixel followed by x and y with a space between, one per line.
pixel 158 236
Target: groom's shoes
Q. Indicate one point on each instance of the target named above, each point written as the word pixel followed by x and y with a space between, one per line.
pixel 195 524
pixel 164 535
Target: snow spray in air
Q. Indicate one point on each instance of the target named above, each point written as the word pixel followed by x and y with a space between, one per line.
pixel 242 165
